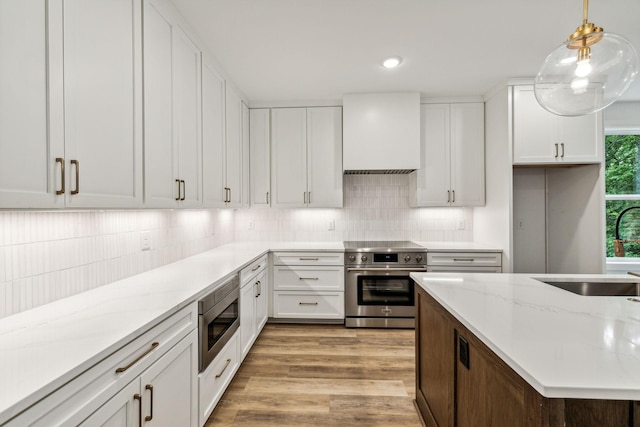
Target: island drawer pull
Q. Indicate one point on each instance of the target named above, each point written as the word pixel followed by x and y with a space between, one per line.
pixel 137 359
pixel 307 303
pixel 224 369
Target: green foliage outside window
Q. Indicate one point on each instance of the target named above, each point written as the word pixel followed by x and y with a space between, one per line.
pixel 622 176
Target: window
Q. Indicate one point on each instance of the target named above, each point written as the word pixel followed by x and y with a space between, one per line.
pixel 622 187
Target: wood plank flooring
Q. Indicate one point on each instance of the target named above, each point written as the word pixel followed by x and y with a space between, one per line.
pixel 323 375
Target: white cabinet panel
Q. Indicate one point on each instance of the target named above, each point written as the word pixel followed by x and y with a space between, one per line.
pixel 103 103
pixel 122 410
pixel 540 137
pixel 172 113
pixel 29 175
pixel 289 157
pixel 452 156
pixel 213 137
pixel 260 157
pixel 233 153
pixel 246 185
pixel 324 157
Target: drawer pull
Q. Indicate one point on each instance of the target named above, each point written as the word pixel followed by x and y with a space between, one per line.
pixel 224 369
pixel 153 347
pixel 463 260
pixel 62 189
pixel 307 303
pixel 139 399
pixel 150 416
pixel 308 278
pixel 254 269
pixel 77 164
pixel 309 259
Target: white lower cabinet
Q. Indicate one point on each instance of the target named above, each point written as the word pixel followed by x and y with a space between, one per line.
pixel 164 358
pixel 253 303
pixel 215 379
pixel 308 285
pixel 165 393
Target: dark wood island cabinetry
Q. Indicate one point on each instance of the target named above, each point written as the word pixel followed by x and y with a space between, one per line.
pixel 461 382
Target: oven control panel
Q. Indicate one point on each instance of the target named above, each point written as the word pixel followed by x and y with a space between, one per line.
pixel 385 259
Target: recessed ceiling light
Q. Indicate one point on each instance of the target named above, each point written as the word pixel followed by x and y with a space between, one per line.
pixel 392 62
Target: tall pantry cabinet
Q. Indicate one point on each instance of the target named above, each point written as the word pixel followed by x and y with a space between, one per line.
pixel 75 136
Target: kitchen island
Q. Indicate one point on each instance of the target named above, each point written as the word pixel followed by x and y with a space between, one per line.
pixel 507 349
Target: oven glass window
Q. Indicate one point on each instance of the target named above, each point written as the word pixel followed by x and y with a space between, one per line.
pixel 385 290
pixel 219 325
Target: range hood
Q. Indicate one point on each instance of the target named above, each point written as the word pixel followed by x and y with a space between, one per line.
pixel 381 133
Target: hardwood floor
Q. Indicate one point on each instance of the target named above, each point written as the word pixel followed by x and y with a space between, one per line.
pixel 323 375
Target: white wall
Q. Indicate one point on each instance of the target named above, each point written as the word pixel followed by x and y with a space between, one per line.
pixel 529 218
pixel 45 256
pixel 376 207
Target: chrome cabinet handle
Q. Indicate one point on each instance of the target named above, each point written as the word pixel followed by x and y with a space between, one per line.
pixel 556 156
pixel 184 190
pixel 150 416
pixel 562 146
pixel 224 369
pixel 137 359
pixel 178 182
pixel 307 303
pixel 77 164
pixel 139 399
pixel 308 278
pixel 61 161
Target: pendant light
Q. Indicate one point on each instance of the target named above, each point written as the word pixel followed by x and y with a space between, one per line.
pixel 587 72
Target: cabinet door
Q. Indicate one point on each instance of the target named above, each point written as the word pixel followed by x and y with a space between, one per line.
pixel 289 157
pixel 433 177
pixel 169 389
pixel 583 138
pixel 262 293
pixel 435 361
pixel 160 152
pixel 122 410
pixel 213 137
pixel 234 147
pixel 260 158
pixel 103 102
pixel 246 195
pixel 467 154
pixel 247 317
pixel 186 98
pixel 535 130
pixel 29 174
pixel 324 157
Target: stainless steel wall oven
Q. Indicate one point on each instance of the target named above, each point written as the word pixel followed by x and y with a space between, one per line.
pixel 218 320
pixel 378 290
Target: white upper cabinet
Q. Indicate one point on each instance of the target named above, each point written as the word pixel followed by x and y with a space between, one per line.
pixel 29 174
pixel 173 145
pixel 246 186
pixel 213 137
pixel 306 161
pixel 233 148
pixel 260 159
pixel 102 102
pixel 451 157
pixel 541 137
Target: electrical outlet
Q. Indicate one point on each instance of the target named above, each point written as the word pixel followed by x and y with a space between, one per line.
pixel 520 224
pixel 145 241
pixel 332 224
pixel 252 224
pixel 460 223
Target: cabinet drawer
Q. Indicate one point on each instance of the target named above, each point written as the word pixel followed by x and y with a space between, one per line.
pixel 215 379
pixel 308 258
pixel 76 400
pixel 308 278
pixel 467 259
pixel 463 269
pixel 252 270
pixel 308 305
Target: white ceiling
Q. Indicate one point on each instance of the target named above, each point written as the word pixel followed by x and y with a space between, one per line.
pixel 279 51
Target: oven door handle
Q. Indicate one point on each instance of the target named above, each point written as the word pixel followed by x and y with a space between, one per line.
pixel 394 269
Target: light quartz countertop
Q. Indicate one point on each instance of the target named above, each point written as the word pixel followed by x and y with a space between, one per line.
pixel 564 345
pixel 43 348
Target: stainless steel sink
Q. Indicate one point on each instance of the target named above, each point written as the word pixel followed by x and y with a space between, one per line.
pixel 598 289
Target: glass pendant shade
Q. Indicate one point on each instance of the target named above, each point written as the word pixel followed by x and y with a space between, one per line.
pixel 586 74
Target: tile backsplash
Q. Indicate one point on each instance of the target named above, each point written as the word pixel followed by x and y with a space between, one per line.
pixel 376 207
pixel 45 256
